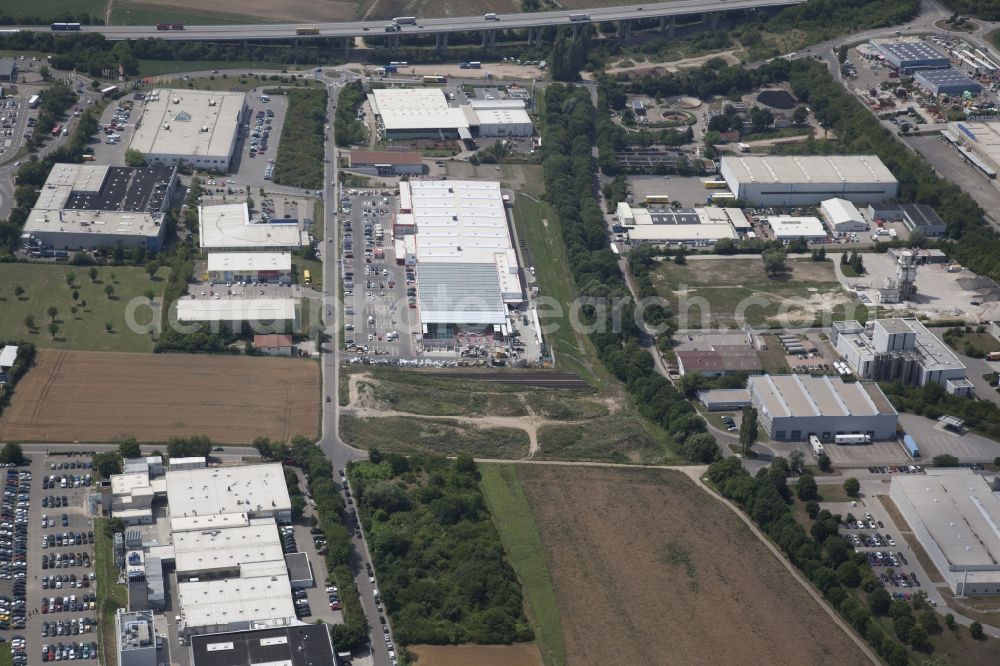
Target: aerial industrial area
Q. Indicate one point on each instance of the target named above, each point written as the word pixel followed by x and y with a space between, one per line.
pixel 331 336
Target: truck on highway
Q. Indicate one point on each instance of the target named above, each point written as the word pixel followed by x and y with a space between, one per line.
pixel 405 20
pixel 579 17
pixel 435 78
pixel 475 64
pixel 491 17
pixel 307 31
pixel 392 27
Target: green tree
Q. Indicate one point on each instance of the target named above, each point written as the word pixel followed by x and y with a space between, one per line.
pixel 748 430
pixel 976 631
pixel 12 454
pixel 129 448
pixel 806 488
pixel 761 119
pixel 849 574
pixel 852 486
pixel 53 329
pixel 800 115
pixel 949 621
pixel 879 600
pixel 796 462
pixel 52 311
pixel 109 291
pixel 44 72
pixel 945 460
pixel 774 261
pixel 109 327
pixel 108 463
pixel 134 158
pixel 823 462
pixel 19 291
pixel 92 272
pixel 29 321
pixel 70 279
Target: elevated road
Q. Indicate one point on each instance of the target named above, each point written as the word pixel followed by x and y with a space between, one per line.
pixel 430 26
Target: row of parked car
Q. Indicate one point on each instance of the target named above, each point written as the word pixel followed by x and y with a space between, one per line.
pixel 74 627
pixel 64 651
pixel 59 581
pixel 69 604
pixel 14 547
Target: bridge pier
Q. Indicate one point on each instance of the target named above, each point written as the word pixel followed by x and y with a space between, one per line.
pixel 347 47
pixel 532 36
pixel 490 38
pixel 442 41
pixel 668 23
pixel 714 20
pixel 393 42
pixel 624 30
pixel 576 29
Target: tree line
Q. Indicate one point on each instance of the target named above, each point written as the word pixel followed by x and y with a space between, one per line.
pixel 443 574
pixel 300 152
pixel 842 575
pixel 569 130
pixel 347 129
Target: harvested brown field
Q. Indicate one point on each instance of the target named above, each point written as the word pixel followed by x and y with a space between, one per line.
pixel 480 655
pixel 645 564
pixel 98 396
pixel 279 10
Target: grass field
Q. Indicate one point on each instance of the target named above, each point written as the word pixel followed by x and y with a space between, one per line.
pixel 45 285
pixel 712 293
pixel 538 225
pixel 49 10
pixel 6 656
pixel 401 434
pixel 132 12
pixel 644 564
pixel 110 595
pixel 616 438
pixel 523 545
pixel 978 343
pixel 98 397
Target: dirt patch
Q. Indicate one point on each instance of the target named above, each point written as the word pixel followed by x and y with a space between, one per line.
pixel 98 396
pixel 286 10
pixel 675 66
pixel 777 99
pixel 480 655
pixel 692 570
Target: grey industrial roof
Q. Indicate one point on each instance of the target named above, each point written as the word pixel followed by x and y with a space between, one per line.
pixel 454 293
pixel 7 67
pixel 921 216
pixel 911 50
pixel 805 395
pixel 894 325
pixel 302 645
pixel 942 77
pixel 298 566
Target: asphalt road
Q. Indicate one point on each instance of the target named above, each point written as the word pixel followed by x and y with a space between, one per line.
pixel 431 25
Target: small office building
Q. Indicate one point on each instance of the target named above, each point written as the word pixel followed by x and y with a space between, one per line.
pixel 842 216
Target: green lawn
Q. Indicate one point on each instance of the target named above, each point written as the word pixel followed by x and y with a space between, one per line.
pixel 523 545
pixel 410 436
pixel 126 13
pixel 45 286
pixel 979 344
pixel 6 656
pixel 710 293
pixel 51 10
pixel 538 225
pixel 110 595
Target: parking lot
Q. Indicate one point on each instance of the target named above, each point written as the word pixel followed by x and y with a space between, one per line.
pixel 14 119
pixel 47 581
pixel 253 154
pixel 378 293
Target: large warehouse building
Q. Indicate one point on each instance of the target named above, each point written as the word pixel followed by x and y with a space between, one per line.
pixel 784 181
pixel 256 490
pixel 417 113
pixel 903 350
pixel 948 81
pixel 425 113
pixel 265 315
pixel 85 206
pixel 467 269
pixel 910 54
pixel 228 227
pixel 196 127
pixel 793 407
pixel 979 141
pixel 696 226
pixel 954 514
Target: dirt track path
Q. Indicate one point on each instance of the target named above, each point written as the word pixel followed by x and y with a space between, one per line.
pixel 530 424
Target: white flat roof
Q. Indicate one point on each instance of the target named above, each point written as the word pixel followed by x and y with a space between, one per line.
pixel 503 117
pixel 8 355
pixel 226 226
pixel 681 232
pixel 213 603
pixel 416 108
pixel 215 521
pixel 249 261
pixel 785 226
pixel 226 548
pixel 218 490
pixel 809 169
pixel 231 309
pixel 960 512
pixel 458 221
pixel 188 122
pixel 124 484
